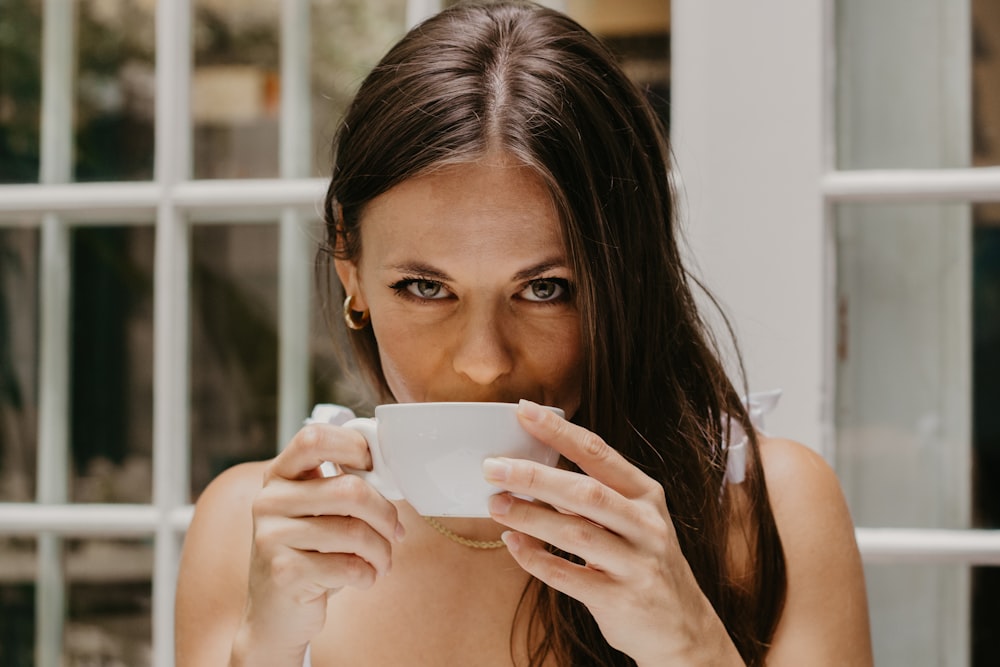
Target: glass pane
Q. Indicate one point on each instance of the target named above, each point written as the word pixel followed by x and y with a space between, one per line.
pixel 903 398
pixel 19 249
pixel 986 82
pixel 986 366
pixel 112 364
pixel 909 605
pixel 18 571
pixel 108 602
pixel 985 616
pixel 20 90
pixel 919 83
pixel 115 90
pixel 638 32
pixel 347 38
pixel 234 351
pixel 235 96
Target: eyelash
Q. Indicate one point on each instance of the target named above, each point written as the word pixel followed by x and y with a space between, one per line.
pixel 402 289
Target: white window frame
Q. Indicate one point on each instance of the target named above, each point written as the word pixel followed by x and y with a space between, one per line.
pixel 172 199
pixel 737 193
pixel 753 130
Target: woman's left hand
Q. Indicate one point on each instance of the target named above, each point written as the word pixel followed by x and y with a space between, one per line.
pixel 635 581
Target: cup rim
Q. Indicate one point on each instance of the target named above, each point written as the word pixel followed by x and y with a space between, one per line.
pixel 457 404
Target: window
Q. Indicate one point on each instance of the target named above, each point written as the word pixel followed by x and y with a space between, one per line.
pixel 160 168
pixel 842 155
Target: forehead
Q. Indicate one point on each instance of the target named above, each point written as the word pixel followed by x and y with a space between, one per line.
pixel 483 208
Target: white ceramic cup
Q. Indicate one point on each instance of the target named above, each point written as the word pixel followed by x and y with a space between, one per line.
pixel 431 454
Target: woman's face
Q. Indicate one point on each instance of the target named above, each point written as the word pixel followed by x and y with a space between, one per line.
pixel 467 280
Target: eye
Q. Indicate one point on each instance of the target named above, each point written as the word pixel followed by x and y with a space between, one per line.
pixel 545 290
pixel 425 290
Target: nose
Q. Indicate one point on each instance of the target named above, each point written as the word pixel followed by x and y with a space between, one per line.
pixel 483 352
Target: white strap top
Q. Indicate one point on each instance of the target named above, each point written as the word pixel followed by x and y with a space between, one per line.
pixel 758 404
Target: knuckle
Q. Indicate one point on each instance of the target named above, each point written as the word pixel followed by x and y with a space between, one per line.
pixel 351 488
pixel 285 568
pixel 263 505
pixel 355 530
pixel 591 492
pixel 357 571
pixel 594 447
pixel 557 577
pixel 527 474
pixel 578 534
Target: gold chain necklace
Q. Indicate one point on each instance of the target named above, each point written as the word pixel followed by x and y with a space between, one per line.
pixel 464 541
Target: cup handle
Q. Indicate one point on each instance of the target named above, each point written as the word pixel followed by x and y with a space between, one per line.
pixel 379 476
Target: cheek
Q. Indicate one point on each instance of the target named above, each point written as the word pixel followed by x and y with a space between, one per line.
pixel 407 360
pixel 559 364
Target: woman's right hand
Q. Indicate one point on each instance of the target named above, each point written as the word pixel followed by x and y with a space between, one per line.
pixel 310 536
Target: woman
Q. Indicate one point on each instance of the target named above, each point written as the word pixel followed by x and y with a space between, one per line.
pixel 501 222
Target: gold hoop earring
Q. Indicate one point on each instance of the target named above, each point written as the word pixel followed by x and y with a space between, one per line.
pixel 356 319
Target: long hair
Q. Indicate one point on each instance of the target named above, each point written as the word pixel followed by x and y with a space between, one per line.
pixel 534 84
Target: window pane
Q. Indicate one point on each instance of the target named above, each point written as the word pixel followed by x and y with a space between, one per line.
pixel 919 83
pixel 115 87
pixel 112 364
pixel 986 82
pixel 20 90
pixel 235 97
pixel 638 32
pixel 18 368
pixel 347 38
pixel 17 601
pixel 909 603
pixel 108 602
pixel 918 364
pixel 234 352
pixel 903 401
pixel 985 616
pixel 986 366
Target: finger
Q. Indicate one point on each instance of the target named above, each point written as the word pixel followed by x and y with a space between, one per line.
pixel 323 572
pixel 584 448
pixel 344 495
pixel 570 493
pixel 577 581
pixel 599 548
pixel 329 535
pixel 315 444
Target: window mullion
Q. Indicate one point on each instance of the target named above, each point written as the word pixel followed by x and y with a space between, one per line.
pixel 295 243
pixel 171 439
pixel 58 44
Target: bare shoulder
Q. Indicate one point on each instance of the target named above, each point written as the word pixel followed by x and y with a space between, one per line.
pixel 796 474
pixel 212 580
pixel 825 618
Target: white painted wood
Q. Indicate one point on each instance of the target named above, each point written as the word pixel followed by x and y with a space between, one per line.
pixel 56 166
pixel 746 125
pixel 296 247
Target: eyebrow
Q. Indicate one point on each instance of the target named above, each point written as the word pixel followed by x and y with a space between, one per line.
pixel 423 270
pixel 428 271
pixel 539 269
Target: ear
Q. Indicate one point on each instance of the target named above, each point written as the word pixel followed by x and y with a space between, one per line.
pixel 347 271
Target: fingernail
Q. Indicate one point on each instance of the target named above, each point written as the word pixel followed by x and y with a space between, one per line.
pixel 400 532
pixel 510 539
pixel 496 470
pixel 500 504
pixel 529 409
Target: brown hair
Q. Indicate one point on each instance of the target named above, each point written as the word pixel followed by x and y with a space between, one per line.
pixel 533 83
